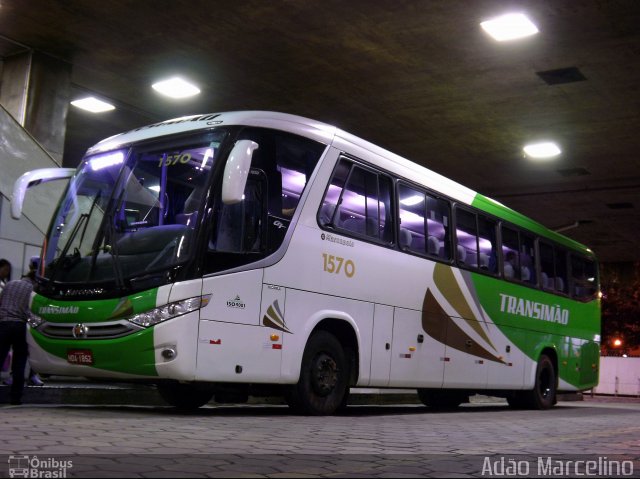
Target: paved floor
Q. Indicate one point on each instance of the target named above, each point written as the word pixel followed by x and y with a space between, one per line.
pixel 366 441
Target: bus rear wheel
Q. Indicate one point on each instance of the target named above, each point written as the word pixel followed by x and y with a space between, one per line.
pixel 185 397
pixel 442 399
pixel 324 377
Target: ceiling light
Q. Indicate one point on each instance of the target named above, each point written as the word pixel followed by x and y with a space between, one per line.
pixel 509 27
pixel 93 105
pixel 546 149
pixel 176 88
pixel 412 200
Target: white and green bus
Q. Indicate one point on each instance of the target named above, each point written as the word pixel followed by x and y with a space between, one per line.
pixel 250 253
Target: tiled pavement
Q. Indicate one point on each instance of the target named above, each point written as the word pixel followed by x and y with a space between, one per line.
pixel 268 441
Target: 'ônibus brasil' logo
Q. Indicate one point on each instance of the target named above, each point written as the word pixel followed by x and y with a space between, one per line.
pixel 531 309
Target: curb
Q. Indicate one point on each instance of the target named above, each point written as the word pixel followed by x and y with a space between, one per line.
pixel 82 392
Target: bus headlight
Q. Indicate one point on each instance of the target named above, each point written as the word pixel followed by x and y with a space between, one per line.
pixel 169 311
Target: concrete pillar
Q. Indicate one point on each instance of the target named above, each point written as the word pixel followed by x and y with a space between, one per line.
pixel 36 90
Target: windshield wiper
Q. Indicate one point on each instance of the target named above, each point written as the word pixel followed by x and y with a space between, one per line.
pixel 67 262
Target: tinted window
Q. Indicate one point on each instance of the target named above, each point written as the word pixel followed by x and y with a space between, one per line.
pixel 518 254
pixel 424 223
pixel 584 277
pixel 358 200
pixel 553 268
pixel 475 241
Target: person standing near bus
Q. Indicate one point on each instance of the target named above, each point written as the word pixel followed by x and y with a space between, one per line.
pixel 5 272
pixel 5 277
pixel 14 313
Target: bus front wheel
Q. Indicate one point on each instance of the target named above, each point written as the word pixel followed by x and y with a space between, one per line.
pixel 185 397
pixel 324 377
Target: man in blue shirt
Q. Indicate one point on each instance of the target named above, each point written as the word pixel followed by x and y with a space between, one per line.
pixel 14 313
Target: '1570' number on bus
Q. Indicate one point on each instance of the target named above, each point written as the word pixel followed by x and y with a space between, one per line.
pixel 336 265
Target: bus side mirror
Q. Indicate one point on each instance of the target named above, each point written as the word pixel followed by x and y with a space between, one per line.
pixel 32 178
pixel 236 171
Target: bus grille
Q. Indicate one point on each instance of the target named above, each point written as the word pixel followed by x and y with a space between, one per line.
pixel 95 330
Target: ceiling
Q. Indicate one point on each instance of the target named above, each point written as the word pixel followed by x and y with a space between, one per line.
pixel 419 78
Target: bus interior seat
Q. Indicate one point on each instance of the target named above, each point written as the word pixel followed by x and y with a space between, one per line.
pixel 525 274
pixel 189 210
pixel 405 238
pixel 559 284
pixel 368 227
pixel 326 214
pixel 484 261
pixel 356 225
pixel 508 270
pixel 462 254
pixel 373 228
pixel 433 246
pixel 544 280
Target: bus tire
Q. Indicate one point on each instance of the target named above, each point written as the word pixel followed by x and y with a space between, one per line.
pixel 324 377
pixel 543 394
pixel 442 399
pixel 185 397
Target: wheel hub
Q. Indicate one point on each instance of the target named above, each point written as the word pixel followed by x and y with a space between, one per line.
pixel 324 374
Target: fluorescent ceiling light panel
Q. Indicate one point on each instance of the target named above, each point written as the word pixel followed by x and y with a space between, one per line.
pixel 412 200
pixel 176 88
pixel 546 149
pixel 93 105
pixel 105 161
pixel 509 27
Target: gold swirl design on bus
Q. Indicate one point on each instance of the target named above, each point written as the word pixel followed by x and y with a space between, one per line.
pixel 446 283
pixel 274 318
pixel 442 327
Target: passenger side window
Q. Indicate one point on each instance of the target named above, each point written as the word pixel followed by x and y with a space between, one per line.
pixel 553 268
pixel 359 202
pixel 584 278
pixel 424 223
pixel 510 256
pixel 561 282
pixel 528 259
pixel 487 253
pixel 438 238
pixel 518 255
pixel 476 241
pixel 413 233
pixel 466 238
pixel 547 266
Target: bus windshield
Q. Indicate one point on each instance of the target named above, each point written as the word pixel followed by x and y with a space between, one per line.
pixel 129 213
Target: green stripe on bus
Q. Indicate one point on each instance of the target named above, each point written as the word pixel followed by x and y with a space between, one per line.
pixel 534 320
pixel 93 311
pixel 132 354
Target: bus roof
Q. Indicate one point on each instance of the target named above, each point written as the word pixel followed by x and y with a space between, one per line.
pixel 331 135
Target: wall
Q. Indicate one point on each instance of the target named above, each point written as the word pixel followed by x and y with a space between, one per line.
pixel 619 376
pixel 20 152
